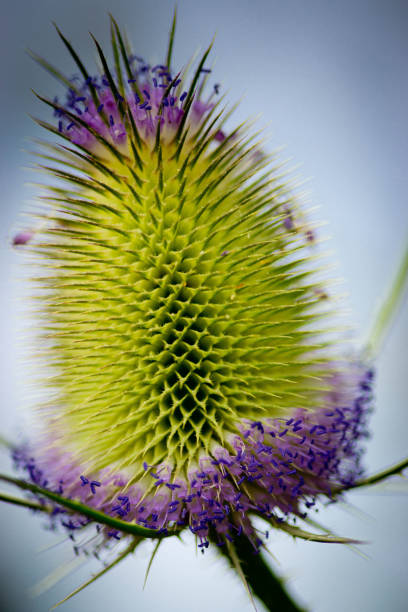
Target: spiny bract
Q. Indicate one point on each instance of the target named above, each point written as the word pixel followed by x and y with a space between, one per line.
pixel 193 382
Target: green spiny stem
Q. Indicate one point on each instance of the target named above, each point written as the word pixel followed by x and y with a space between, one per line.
pixel 16 501
pixel 259 576
pixel 95 515
pixel 375 478
pixel 388 309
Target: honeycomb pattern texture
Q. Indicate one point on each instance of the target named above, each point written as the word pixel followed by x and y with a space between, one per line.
pixel 178 294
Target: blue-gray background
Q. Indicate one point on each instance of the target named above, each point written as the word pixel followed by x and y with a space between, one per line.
pixel 330 79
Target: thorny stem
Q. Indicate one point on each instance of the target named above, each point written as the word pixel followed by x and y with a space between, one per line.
pixel 260 578
pixel 91 513
pixel 388 309
pixel 375 478
pixel 16 501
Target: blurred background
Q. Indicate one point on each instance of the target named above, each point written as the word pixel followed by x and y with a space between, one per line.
pixel 330 80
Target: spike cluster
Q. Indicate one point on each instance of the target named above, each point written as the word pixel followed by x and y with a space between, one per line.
pixel 193 383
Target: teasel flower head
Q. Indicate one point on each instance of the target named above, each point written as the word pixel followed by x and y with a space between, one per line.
pixel 196 380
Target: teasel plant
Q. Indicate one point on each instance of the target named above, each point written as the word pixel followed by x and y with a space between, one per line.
pixel 197 375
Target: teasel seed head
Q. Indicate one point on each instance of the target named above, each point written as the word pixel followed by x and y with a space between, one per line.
pixel 194 379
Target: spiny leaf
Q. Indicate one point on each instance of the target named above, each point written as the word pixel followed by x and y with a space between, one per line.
pixel 95 515
pixel 296 532
pixel 318 525
pixel 237 565
pixel 106 569
pixel 58 574
pixel 152 556
pixel 395 470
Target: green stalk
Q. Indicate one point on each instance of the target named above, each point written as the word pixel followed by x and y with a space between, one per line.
pixel 395 470
pixel 80 508
pixel 388 308
pixel 17 501
pixel 259 577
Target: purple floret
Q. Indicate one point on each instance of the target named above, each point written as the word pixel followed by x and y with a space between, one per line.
pixel 147 109
pixel 22 238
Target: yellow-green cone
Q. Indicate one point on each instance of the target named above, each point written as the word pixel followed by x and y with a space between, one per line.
pixel 192 379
